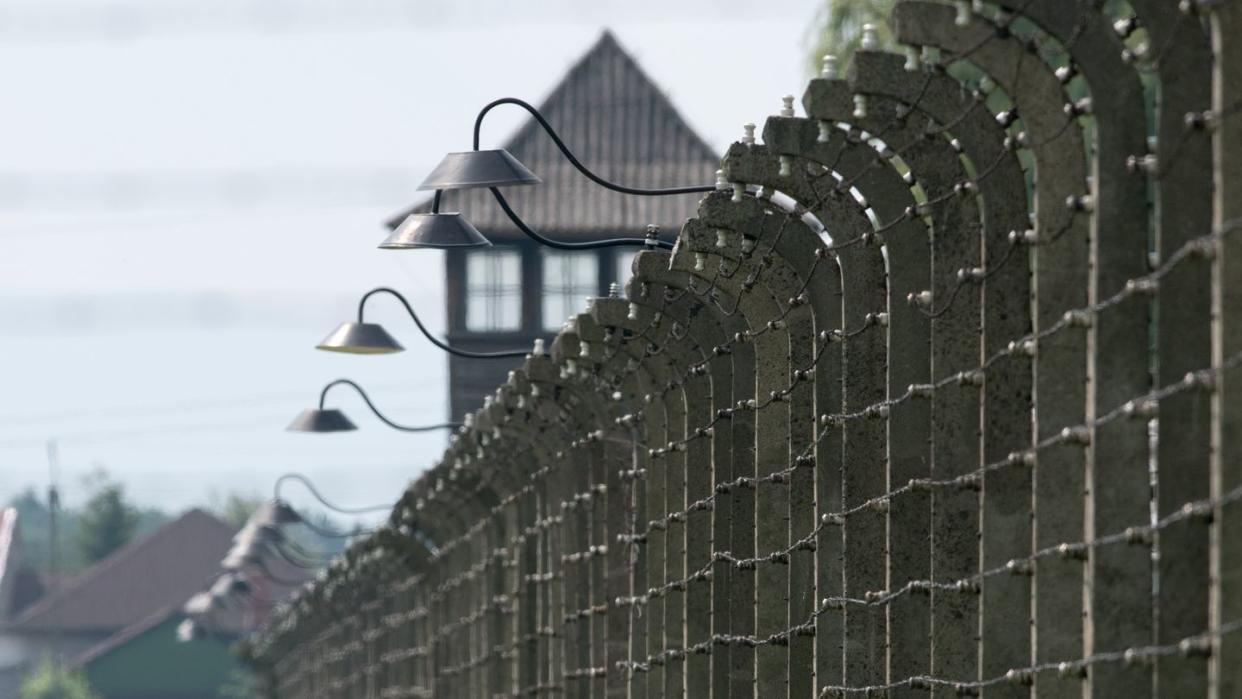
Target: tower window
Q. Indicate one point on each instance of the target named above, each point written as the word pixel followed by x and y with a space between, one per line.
pixel 493 290
pixel 624 260
pixel 568 279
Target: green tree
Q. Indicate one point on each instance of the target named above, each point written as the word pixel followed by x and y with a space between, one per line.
pixel 51 681
pixel 837 28
pixel 32 513
pixel 107 521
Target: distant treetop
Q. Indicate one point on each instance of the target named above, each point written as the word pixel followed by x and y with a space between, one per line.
pixel 837 28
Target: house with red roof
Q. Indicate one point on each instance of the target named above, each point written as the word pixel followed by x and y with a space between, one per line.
pixel 116 621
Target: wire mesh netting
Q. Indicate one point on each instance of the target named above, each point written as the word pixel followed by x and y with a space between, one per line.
pixel 938 394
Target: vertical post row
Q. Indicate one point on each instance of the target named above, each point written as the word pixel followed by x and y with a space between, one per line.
pixel 1226 600
pixel 1183 338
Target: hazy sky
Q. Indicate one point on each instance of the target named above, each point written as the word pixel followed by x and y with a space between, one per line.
pixel 191 194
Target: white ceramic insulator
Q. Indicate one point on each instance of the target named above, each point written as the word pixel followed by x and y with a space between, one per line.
pixel 860 106
pixel 963 13
pixel 870 40
pixel 825 132
pixel 829 69
pixel 912 59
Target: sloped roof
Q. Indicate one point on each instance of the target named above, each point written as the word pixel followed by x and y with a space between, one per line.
pixel 28 588
pixel 160 570
pixel 125 635
pixel 621 126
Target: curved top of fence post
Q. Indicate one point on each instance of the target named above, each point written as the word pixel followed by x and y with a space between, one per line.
pixel 1117 99
pixel 1038 95
pixel 706 324
pixel 643 322
pixel 605 357
pixel 998 177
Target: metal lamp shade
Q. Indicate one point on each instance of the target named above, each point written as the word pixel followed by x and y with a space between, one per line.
pixel 255 534
pixel 360 338
pixel 434 231
pixel 253 537
pixel 272 512
pixel 479 168
pixel 321 420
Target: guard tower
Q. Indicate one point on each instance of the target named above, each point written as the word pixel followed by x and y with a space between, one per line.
pixel 623 127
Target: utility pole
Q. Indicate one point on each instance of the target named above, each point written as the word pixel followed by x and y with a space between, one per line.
pixel 53 504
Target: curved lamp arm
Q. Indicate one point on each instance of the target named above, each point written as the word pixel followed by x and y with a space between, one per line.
pixel 478 124
pixel 650 241
pixel 306 522
pixel 367 399
pixel 330 534
pixel 434 340
pixel 319 496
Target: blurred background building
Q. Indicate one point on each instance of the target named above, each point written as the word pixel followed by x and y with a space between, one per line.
pixel 115 621
pixel 622 126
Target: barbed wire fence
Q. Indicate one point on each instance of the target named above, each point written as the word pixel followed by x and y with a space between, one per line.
pixel 938 394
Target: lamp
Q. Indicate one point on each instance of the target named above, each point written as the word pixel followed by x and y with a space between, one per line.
pixel 308 523
pixel 332 420
pixel 434 230
pixel 360 338
pixel 498 168
pixel 478 168
pixel 321 420
pixel 250 545
pixel 437 230
pixel 260 540
pixel 371 338
pixel 255 534
pixel 276 512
